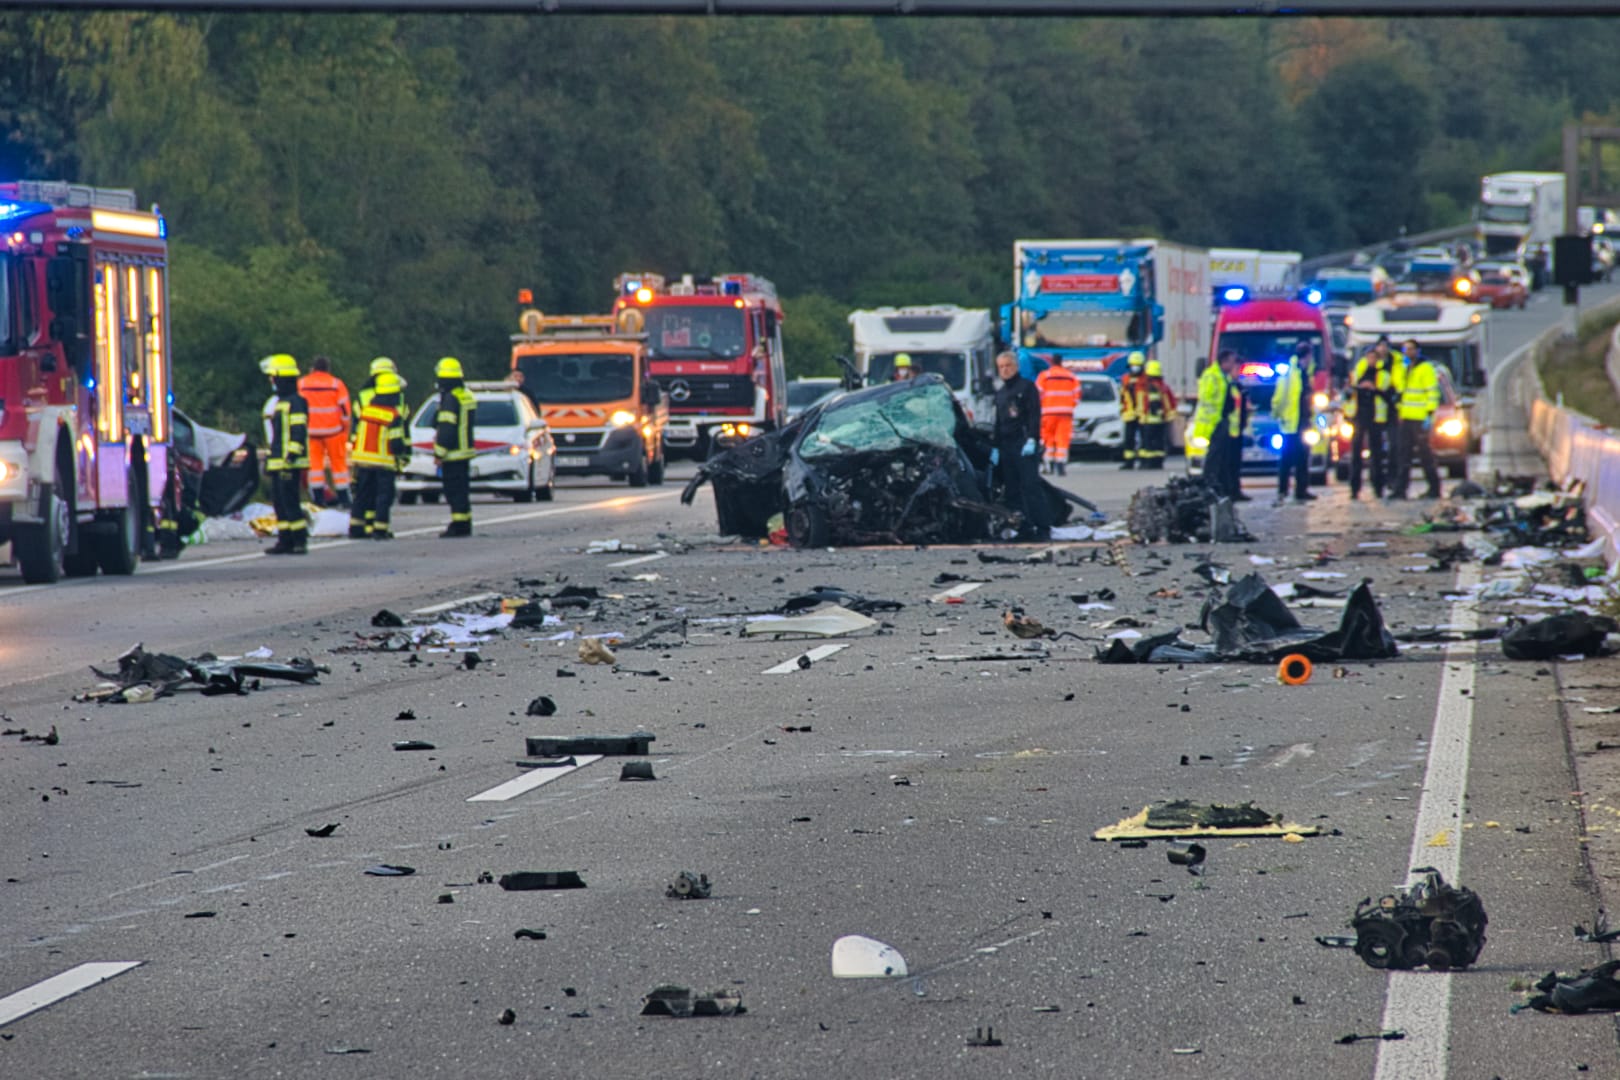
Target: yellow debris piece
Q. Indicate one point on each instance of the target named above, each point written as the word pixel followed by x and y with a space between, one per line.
pixel 1440 839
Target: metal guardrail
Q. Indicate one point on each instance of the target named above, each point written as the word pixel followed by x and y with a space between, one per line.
pixel 1309 267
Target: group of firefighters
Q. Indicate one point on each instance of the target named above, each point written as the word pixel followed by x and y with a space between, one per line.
pixel 311 428
pixel 1146 405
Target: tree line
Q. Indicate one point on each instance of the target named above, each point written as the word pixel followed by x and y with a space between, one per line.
pixel 365 185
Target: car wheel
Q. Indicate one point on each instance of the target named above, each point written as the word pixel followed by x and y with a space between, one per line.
pixel 407 498
pixel 41 549
pixel 527 494
pixel 1458 470
pixel 807 527
pixel 547 493
pixel 430 496
pixel 1342 471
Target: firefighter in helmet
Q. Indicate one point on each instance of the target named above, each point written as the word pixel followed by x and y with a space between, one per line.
pixel 286 433
pixel 380 452
pixel 453 444
pixel 1132 445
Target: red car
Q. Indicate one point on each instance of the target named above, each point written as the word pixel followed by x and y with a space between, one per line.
pixel 1500 289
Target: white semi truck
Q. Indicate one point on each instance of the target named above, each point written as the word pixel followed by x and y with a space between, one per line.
pixel 1521 213
pixel 958 344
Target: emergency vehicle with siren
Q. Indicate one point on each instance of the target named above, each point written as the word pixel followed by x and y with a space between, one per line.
pixel 715 348
pixel 85 392
pixel 1264 328
pixel 588 375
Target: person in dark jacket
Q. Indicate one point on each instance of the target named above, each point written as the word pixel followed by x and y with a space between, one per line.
pixel 286 434
pixel 1016 445
pixel 453 444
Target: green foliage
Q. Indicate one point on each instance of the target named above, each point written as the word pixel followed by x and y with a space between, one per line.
pixel 370 183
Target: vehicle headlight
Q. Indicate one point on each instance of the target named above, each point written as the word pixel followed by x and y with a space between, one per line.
pixel 515 450
pixel 1319 400
pixel 1347 430
pixel 1199 441
pixel 622 418
pixel 1453 427
pixel 1312 436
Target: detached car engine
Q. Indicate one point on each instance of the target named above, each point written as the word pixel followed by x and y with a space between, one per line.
pixel 1432 923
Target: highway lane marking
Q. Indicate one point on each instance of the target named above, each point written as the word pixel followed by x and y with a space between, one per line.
pixel 434 609
pixel 1419 1003
pixel 639 559
pixel 34 998
pixel 954 591
pixel 618 502
pixel 532 779
pixel 820 652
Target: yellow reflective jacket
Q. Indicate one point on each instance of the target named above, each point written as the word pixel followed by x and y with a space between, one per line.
pixel 1370 370
pixel 1419 388
pixel 1214 391
pixel 453 439
pixel 1291 400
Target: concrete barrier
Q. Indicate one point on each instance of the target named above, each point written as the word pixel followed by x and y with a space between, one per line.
pixel 1574 445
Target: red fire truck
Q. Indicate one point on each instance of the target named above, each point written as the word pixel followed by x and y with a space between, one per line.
pixel 715 346
pixel 85 392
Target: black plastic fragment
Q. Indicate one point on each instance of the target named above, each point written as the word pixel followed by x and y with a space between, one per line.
pixel 985 1036
pixel 386 618
pixel 633 745
pixel 387 870
pixel 532 880
pixel 414 744
pixel 636 770
pixel 525 934
pixel 541 706
pixel 323 831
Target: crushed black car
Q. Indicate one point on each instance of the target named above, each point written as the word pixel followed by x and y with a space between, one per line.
pixel 899 463
pixel 215 473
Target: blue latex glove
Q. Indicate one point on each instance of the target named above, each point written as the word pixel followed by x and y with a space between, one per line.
pixel 1428 422
pixel 1029 447
pixel 995 456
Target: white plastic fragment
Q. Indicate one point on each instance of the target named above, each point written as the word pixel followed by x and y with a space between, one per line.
pixel 857 957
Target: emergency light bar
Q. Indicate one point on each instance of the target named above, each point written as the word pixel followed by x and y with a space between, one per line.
pixel 1237 294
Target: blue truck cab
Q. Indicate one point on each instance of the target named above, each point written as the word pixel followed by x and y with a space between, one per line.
pixel 1090 303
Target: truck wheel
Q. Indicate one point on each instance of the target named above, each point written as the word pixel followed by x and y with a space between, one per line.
pixel 118 549
pixel 41 549
pixel 807 527
pixel 639 474
pixel 655 471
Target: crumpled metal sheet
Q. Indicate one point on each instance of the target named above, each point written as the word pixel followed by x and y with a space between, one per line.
pixel 162 674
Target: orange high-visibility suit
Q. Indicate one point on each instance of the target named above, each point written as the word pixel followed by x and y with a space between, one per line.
pixel 329 417
pixel 1060 393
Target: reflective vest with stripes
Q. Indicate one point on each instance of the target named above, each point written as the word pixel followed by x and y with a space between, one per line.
pixel 1419 388
pixel 453 438
pixel 1060 391
pixel 328 401
pixel 1154 401
pixel 379 438
pixel 286 433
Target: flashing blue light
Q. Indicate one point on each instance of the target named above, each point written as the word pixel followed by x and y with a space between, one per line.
pixel 1276 442
pixel 171 400
pixel 17 211
pixel 630 287
pixel 90 383
pixel 1281 369
pixel 1234 294
pixel 731 288
pixel 163 228
pixel 1313 296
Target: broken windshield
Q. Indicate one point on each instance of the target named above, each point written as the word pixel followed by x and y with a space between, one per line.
pixel 925 415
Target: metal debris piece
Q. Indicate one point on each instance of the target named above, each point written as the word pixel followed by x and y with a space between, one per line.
pixel 679 1001
pixel 388 870
pixel 1430 923
pixel 532 880
pixel 414 744
pixel 636 770
pixel 1189 855
pixel 689 886
pixel 323 831
pixel 985 1036
pixel 541 706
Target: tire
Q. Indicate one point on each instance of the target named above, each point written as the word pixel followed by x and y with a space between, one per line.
pixel 655 471
pixel 1458 471
pixel 728 522
pixel 638 476
pixel 430 496
pixel 547 493
pixel 41 550
pixel 407 498
pixel 527 494
pixel 118 549
pixel 807 527
pixel 1342 471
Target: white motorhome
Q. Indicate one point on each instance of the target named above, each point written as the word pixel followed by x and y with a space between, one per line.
pixel 1253 269
pixel 956 343
pixel 1522 213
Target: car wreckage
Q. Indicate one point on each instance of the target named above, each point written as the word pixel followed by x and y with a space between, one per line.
pixel 899 463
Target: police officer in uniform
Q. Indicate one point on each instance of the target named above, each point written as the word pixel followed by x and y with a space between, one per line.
pixel 1015 444
pixel 453 444
pixel 286 433
pixel 380 451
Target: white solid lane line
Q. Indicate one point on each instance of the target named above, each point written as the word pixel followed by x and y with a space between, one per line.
pixel 955 591
pixel 639 559
pixel 820 652
pixel 33 998
pixel 434 609
pixel 533 779
pixel 1419 1003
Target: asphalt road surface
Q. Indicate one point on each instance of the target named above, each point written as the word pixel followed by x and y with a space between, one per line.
pixel 932 798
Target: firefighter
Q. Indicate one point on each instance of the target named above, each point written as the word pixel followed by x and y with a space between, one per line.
pixel 329 419
pixel 1372 383
pixel 286 433
pixel 1417 389
pixel 1154 403
pixel 1015 442
pixel 1291 405
pixel 1127 409
pixel 1060 393
pixel 453 444
pixel 378 366
pixel 380 452
pixel 1218 421
pixel 902 368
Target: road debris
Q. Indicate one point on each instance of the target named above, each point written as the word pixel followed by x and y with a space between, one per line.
pixel 414 744
pixel 635 744
pixel 1571 634
pixel 1601 936
pixel 833 621
pixel 386 618
pixel 525 934
pixel 679 1001
pixel 541 706
pixel 984 1037
pixel 636 770
pixel 1183 818
pixel 689 886
pixel 1393 1035
pixel 1294 670
pixel 1189 855
pixel 322 832
pixel 506 1017
pixel 1185 510
pixel 388 870
pixel 143 676
pixel 592 650
pixel 1594 989
pixel 1431 922
pixel 830 594
pixel 535 880
pixel 858 957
